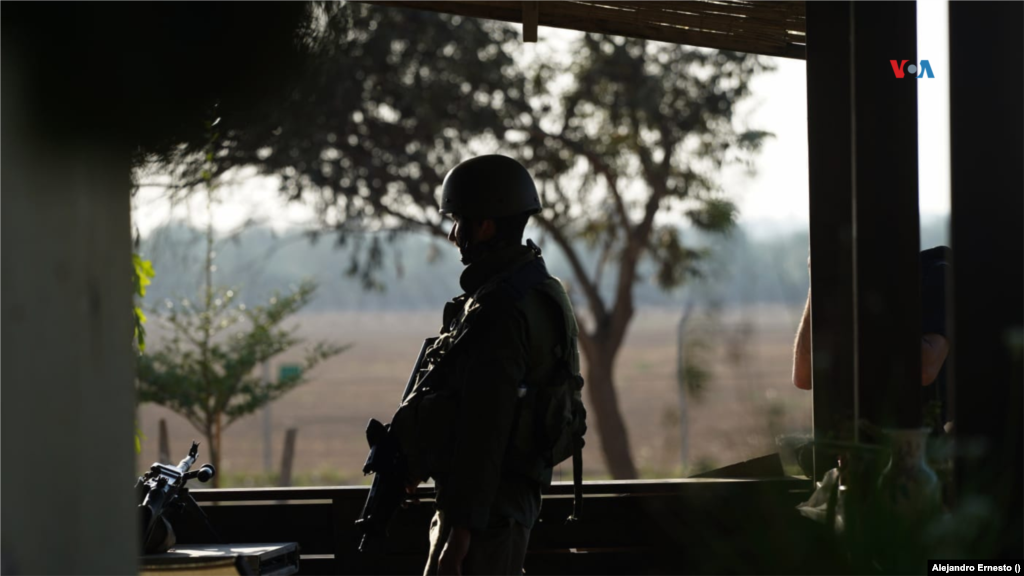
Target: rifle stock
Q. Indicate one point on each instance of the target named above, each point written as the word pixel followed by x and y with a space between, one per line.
pixel 389 470
pixel 388 489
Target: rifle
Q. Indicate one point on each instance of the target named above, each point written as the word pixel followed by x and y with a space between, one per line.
pixel 162 491
pixel 389 469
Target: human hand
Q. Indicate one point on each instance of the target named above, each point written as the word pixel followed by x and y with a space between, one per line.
pixel 455 550
pixel 411 484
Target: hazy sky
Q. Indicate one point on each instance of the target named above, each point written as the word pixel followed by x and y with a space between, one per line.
pixel 776 197
pixel 779 193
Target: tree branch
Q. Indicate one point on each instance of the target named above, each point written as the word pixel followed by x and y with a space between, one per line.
pixel 586 341
pixel 597 305
pixel 430 227
pixel 561 197
pixel 599 165
pixel 622 312
pixel 183 329
pixel 620 206
pixel 603 260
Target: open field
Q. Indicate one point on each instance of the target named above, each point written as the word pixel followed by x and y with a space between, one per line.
pixel 747 402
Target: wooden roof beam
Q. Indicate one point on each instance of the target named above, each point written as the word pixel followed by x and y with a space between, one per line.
pixel 530 17
pixel 618 19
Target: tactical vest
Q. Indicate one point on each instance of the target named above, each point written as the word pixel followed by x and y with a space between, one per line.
pixel 551 418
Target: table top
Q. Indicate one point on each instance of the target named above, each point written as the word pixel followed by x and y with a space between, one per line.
pixel 225 550
pixel 263 558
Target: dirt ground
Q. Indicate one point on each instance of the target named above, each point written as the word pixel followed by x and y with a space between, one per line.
pixel 748 400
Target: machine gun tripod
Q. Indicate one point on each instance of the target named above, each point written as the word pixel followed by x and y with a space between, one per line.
pixel 162 493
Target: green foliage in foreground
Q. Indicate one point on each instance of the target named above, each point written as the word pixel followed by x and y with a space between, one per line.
pixel 142 276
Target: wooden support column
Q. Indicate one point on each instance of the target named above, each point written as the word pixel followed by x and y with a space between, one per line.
pixel 831 222
pixel 986 49
pixel 69 379
pixel 885 216
pixel 531 13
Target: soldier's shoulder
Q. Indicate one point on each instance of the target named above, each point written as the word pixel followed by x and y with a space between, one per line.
pixel 552 287
pixel 549 300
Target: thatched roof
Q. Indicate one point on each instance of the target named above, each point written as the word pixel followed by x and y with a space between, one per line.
pixel 770 28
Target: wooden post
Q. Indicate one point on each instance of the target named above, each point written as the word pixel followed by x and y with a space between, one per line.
pixel 886 225
pixel 986 51
pixel 164 457
pixel 531 12
pixel 68 381
pixel 287 458
pixel 829 124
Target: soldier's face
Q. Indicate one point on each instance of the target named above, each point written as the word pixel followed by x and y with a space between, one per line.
pixel 455 234
pixel 474 232
pixel 467 234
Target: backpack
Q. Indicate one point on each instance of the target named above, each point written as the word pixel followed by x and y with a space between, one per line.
pixel 551 418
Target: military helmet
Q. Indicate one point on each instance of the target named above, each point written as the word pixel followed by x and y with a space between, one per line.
pixel 491 186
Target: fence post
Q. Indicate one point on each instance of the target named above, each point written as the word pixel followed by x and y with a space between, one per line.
pixel 164 457
pixel 287 457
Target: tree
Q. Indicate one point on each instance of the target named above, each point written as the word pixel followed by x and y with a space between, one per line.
pixel 395 98
pixel 641 136
pixel 386 101
pixel 205 372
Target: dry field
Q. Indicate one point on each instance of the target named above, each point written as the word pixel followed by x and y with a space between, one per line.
pixel 747 403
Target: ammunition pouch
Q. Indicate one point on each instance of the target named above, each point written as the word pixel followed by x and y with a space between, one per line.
pixel 423 427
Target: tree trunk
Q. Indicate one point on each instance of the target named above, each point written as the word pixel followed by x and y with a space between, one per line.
pixel 681 386
pixel 604 408
pixel 213 448
pixel 218 435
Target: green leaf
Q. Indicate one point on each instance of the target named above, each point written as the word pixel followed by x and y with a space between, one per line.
pixel 140 331
pixel 752 140
pixel 715 215
pixel 142 273
pixel 139 437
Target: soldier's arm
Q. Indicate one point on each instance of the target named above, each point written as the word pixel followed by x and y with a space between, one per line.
pixel 934 344
pixel 495 365
pixel 934 349
pixel 802 349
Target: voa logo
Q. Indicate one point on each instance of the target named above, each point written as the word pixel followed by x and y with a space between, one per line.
pixel 925 69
